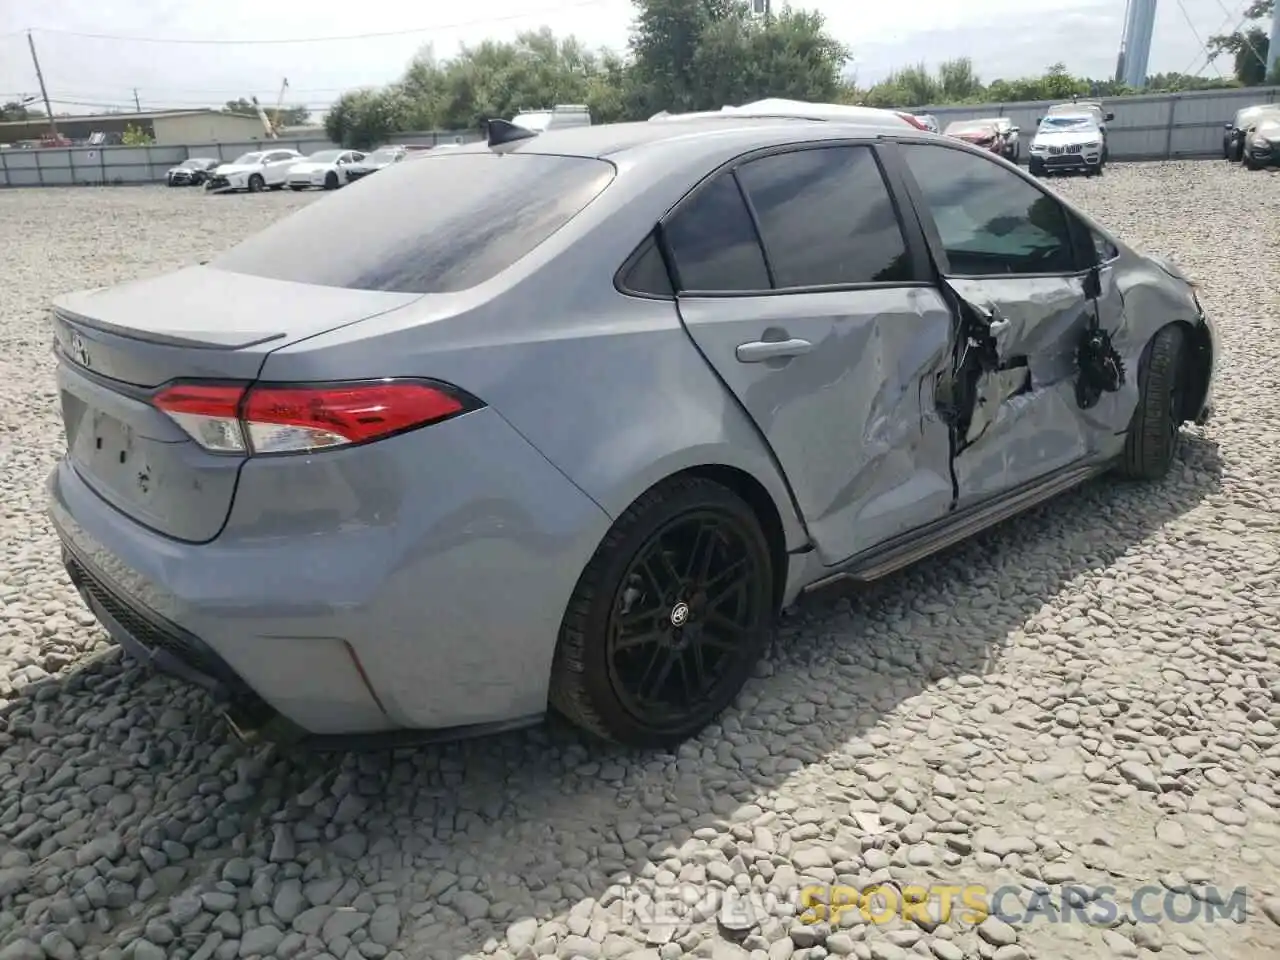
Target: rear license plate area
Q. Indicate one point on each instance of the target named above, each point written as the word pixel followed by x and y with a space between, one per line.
pixel 108 450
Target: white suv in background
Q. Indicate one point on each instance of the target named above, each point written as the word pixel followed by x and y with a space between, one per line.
pixel 1068 142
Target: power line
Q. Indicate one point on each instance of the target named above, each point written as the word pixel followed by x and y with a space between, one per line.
pixel 118 38
pixel 236 91
pixel 1245 36
pixel 146 104
pixel 1196 33
pixel 1205 55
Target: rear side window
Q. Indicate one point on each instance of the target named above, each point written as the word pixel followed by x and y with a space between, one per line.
pixel 826 218
pixel 714 244
pixel 439 225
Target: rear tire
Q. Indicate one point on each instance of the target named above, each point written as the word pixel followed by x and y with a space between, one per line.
pixel 681 590
pixel 1154 432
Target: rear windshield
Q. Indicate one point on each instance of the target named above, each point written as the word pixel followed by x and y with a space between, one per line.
pixel 439 225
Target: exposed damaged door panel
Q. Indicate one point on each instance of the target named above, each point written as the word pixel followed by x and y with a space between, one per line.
pixel 1035 383
pixel 1014 411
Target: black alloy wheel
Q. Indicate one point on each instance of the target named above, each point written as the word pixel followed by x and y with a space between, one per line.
pixel 669 618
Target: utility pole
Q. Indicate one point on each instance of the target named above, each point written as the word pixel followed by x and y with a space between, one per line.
pixel 1273 51
pixel 137 106
pixel 53 126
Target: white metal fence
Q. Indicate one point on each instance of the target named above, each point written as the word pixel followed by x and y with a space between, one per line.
pixel 120 166
pixel 1163 126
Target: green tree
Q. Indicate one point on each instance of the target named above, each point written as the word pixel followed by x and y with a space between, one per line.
pixel 958 81
pixel 15 110
pixel 790 55
pixel 135 136
pixel 1247 47
pixel 664 42
pixel 363 119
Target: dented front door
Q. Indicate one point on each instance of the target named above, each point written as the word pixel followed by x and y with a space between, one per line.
pixel 1020 288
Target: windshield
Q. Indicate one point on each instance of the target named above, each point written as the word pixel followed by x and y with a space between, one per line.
pixel 382 156
pixel 971 126
pixel 190 164
pixel 1053 124
pixel 439 225
pixel 325 156
pixel 248 158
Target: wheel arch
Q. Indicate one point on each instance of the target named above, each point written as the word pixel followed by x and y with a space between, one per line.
pixel 752 491
pixel 1197 369
pixel 757 497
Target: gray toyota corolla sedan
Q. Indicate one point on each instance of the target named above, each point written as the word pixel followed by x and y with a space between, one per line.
pixel 567 419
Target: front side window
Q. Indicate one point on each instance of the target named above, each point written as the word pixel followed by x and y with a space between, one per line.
pixel 443 224
pixel 991 221
pixel 826 218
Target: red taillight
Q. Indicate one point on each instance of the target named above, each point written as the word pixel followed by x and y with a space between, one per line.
pixel 268 419
pixel 912 119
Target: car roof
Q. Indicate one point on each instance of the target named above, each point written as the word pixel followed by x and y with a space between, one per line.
pixel 736 131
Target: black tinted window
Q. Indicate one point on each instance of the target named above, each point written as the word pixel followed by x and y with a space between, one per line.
pixel 826 217
pixel 713 242
pixel 645 274
pixel 437 225
pixel 991 220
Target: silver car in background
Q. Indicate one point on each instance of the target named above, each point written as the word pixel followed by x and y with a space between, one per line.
pixel 567 418
pixel 380 159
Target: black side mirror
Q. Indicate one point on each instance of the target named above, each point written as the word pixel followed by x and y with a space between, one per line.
pixel 1039 120
pixel 1229 125
pixel 1109 117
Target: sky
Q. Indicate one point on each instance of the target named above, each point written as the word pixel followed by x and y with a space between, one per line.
pixel 87 74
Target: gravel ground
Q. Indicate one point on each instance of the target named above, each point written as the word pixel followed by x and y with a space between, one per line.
pixel 1080 706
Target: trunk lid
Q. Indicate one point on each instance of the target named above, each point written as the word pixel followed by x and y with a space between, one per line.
pixel 116 345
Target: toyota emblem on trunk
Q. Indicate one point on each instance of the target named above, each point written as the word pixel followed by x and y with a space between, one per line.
pixel 79 350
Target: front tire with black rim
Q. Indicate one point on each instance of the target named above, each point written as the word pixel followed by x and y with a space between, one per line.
pixel 1154 432
pixel 669 618
pixel 331 181
pixel 256 183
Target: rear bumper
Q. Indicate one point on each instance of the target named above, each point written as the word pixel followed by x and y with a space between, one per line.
pixel 419 586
